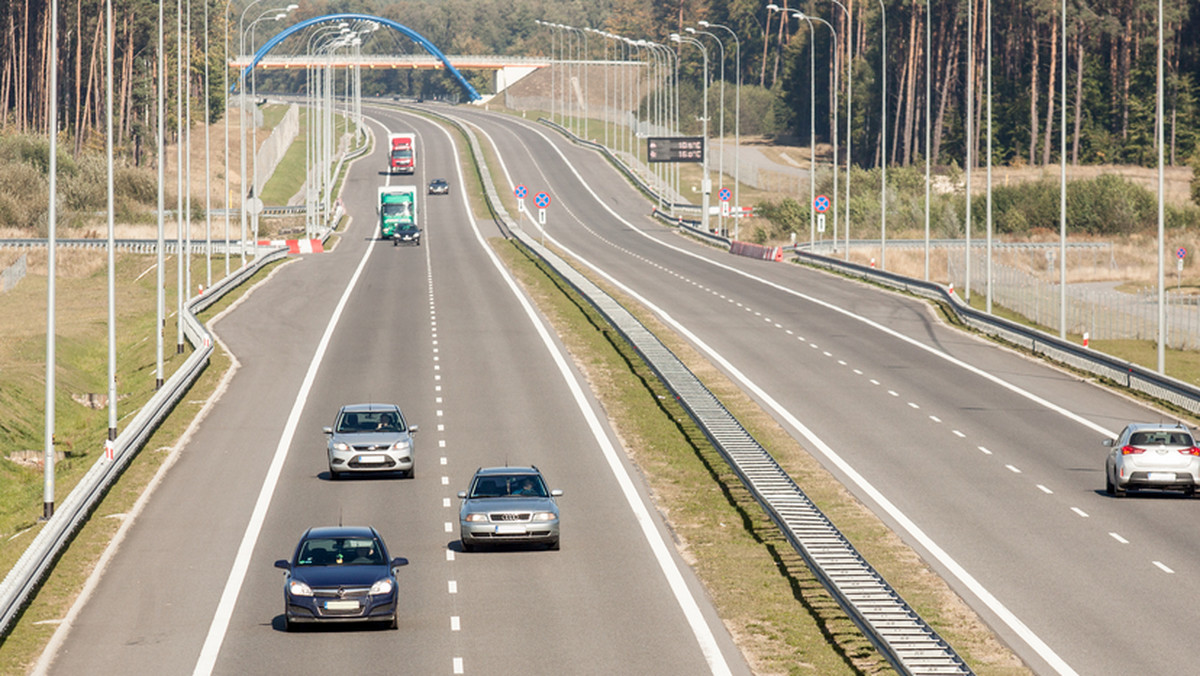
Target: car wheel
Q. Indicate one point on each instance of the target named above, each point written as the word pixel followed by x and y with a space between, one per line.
pixel 468 547
pixel 288 625
pixel 1108 485
pixel 334 475
pixel 553 546
pixel 395 623
pixel 1118 491
pixel 411 474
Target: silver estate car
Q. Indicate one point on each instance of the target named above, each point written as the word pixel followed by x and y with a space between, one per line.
pixel 368 438
pixel 1152 455
pixel 508 505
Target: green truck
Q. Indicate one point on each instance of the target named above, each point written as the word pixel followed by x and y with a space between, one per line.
pixel 397 209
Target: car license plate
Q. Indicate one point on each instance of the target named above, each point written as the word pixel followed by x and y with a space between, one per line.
pixel 508 528
pixel 1162 476
pixel 370 459
pixel 341 605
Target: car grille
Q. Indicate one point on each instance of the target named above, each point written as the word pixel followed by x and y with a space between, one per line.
pixel 387 463
pixel 371 447
pixel 358 594
pixel 510 516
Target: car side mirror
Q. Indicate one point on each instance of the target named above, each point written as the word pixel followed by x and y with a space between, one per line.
pixel 1107 442
pixel 284 564
pixel 462 495
pixel 412 429
pixel 399 561
pixel 327 430
pixel 556 493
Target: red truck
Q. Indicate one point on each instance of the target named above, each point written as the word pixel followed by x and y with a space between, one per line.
pixel 402 153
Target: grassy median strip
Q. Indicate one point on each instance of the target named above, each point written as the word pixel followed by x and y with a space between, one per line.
pixel 783 619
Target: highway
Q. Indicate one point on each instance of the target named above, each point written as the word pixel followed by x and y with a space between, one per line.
pixel 442 331
pixel 988 463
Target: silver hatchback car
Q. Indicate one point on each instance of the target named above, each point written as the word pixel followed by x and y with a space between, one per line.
pixel 1154 456
pixel 508 505
pixel 369 438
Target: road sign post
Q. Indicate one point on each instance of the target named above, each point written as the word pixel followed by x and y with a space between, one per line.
pixel 520 192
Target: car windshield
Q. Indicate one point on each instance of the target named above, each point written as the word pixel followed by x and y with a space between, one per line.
pixel 370 421
pixel 401 209
pixel 516 485
pixel 1160 438
pixel 341 552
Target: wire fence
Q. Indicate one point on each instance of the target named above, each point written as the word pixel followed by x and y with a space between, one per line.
pixel 1096 309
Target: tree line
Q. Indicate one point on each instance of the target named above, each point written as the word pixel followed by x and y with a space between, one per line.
pixel 1110 75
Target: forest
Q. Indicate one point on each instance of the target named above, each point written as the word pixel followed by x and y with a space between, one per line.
pixel 1110 74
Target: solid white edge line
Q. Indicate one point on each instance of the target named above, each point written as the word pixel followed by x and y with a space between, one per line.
pixel 952 566
pixel 220 623
pixel 691 609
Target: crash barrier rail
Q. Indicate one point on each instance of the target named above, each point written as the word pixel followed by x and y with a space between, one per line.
pixel 1118 371
pixel 69 516
pixel 907 641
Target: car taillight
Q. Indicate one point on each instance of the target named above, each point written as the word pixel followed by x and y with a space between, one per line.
pixel 1132 450
pixel 1190 450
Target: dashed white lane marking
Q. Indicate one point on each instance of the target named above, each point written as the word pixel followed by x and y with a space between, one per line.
pixel 935 419
pixel 1080 512
pixel 445 481
pixel 452 586
pixel 1045 490
pixel 1012 469
pixel 874 382
pixel 449 527
pixel 458 665
pixel 441 443
pixel 959 434
pixel 913 404
pixel 442 460
pixel 449 554
pixel 985 451
pixel 1161 566
pixel 455 625
pixel 445 502
pixel 1118 538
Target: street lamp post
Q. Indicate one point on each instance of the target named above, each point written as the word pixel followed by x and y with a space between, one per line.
pixel 833 96
pixel 737 122
pixel 849 121
pixel 705 184
pixel 883 149
pixel 721 149
pixel 812 126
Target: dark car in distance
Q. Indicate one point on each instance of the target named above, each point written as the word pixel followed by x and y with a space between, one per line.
pixel 439 186
pixel 340 574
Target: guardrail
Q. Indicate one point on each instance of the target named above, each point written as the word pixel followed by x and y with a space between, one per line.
pixel 23 580
pixel 907 641
pixel 1120 372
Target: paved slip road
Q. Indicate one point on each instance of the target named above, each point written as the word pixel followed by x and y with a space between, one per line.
pixel 988 463
pixel 438 330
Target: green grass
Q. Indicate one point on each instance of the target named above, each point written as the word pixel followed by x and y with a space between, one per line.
pixel 82 359
pixel 784 620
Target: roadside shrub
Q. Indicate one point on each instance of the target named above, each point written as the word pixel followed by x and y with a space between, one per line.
pixel 1109 205
pixel 23 202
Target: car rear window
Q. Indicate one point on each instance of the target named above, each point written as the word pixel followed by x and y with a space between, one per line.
pixel 1161 439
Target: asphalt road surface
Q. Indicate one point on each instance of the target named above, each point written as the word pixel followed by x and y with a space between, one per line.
pixel 440 330
pixel 988 463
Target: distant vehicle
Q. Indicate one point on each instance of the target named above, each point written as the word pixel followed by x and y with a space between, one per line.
pixel 370 438
pixel 508 505
pixel 402 153
pixel 439 186
pixel 1154 456
pixel 340 574
pixel 397 207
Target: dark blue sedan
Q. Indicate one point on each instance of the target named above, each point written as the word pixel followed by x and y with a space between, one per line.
pixel 340 574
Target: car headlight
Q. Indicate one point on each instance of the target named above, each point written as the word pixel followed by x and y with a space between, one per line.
pixel 298 588
pixel 341 446
pixel 400 446
pixel 545 516
pixel 476 517
pixel 383 586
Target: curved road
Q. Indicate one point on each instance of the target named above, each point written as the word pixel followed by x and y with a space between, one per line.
pixel 988 463
pixel 440 330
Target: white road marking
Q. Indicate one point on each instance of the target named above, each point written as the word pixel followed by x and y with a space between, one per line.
pixel 1012 469
pixel 984 450
pixel 455 625
pixel 452 586
pixel 458 665
pixel 449 527
pixel 1045 490
pixel 1163 567
pixel 241 563
pixel 1080 512
pixel 958 434
pixel 1118 538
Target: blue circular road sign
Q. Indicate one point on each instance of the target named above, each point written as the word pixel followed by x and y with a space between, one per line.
pixel 520 191
pixel 542 200
pixel 821 203
pixel 724 194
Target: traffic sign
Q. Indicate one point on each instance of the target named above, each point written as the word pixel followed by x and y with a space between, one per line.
pixel 724 194
pixel 821 203
pixel 1181 252
pixel 520 192
pixel 542 200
